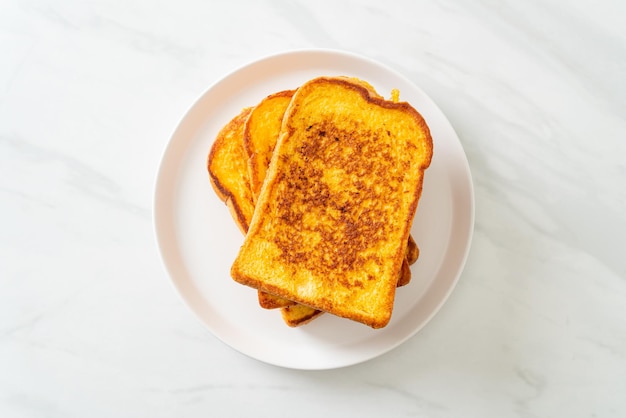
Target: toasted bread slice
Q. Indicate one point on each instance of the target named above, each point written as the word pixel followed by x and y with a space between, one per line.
pixel 260 135
pixel 226 177
pixel 228 171
pixel 333 216
pixel 228 180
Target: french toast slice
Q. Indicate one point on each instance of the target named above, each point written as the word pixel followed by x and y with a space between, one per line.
pixel 224 156
pixel 225 165
pixel 332 220
pixel 260 135
pixel 228 170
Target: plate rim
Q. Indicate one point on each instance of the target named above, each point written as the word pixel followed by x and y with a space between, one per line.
pixel 170 145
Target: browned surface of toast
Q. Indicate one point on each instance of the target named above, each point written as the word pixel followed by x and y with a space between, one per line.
pixel 412 251
pixel 332 221
pixel 269 301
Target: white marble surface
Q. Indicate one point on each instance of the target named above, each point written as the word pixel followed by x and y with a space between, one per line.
pixel 90 92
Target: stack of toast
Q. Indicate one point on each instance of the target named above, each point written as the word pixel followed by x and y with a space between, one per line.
pixel 324 182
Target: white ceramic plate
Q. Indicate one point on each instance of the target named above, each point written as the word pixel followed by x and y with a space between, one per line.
pixel 198 240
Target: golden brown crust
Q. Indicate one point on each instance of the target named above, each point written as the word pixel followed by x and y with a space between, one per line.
pixel 412 251
pixel 269 301
pixel 405 274
pixel 298 315
pixel 227 169
pixel 338 245
pixel 260 135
